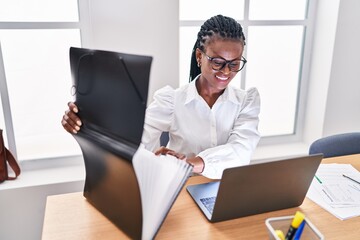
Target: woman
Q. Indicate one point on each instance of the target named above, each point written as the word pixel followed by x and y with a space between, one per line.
pixel 211 124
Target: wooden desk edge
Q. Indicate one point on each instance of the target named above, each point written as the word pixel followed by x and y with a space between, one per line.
pixel 185 219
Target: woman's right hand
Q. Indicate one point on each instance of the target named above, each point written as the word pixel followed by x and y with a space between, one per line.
pixel 71 121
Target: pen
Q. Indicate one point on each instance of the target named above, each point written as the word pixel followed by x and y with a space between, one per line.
pixel 298 218
pixel 351 179
pixel 318 179
pixel 299 230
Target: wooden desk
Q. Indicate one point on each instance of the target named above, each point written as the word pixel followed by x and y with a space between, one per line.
pixel 70 216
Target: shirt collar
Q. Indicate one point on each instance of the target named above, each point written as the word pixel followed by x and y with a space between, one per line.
pixel 192 93
pixel 229 95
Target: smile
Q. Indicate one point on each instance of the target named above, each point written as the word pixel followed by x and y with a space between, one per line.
pixel 222 78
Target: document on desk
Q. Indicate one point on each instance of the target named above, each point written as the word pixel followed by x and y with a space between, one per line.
pixel 336 188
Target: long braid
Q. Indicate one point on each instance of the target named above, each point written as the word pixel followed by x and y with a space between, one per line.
pixel 225 27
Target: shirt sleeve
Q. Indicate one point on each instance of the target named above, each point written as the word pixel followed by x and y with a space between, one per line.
pixel 158 117
pixel 242 141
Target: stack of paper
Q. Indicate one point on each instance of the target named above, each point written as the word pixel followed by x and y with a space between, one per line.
pixel 336 188
pixel 160 179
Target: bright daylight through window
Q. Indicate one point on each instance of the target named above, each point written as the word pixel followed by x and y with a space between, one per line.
pixel 35 37
pixel 278 36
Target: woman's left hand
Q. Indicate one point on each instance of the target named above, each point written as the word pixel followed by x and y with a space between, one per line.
pixel 197 163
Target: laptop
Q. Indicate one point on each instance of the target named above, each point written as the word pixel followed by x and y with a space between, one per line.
pixel 256 188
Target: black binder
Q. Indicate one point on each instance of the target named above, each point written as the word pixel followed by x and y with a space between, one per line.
pixel 111 91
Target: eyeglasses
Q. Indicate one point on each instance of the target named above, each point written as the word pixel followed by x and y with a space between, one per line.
pixel 218 63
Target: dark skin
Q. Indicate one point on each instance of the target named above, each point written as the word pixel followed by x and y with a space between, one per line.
pixel 210 85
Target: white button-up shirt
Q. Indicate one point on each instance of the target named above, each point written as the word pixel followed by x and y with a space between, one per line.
pixel 223 136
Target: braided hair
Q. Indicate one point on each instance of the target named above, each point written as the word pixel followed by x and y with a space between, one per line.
pixel 222 26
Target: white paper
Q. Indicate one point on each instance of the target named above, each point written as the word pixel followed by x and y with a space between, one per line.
pixel 335 193
pixel 160 180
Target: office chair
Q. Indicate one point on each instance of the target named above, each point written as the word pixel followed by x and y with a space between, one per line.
pixel 337 145
pixel 164 139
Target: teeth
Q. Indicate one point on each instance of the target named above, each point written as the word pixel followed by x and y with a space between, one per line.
pixel 222 78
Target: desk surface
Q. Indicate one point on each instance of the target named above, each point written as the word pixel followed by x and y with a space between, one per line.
pixel 70 216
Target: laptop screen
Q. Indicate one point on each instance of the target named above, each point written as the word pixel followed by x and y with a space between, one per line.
pixel 258 188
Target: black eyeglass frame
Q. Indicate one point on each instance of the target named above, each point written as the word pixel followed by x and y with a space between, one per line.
pixel 226 62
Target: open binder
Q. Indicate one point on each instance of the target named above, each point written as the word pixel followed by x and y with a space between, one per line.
pixel 129 185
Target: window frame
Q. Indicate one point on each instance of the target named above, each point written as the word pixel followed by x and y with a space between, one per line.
pixel 309 24
pixel 83 25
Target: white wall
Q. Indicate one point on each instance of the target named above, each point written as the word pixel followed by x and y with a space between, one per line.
pixel 320 70
pixel 343 104
pixel 144 27
pixel 333 100
pixel 140 27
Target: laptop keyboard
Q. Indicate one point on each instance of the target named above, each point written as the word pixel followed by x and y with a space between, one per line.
pixel 209 203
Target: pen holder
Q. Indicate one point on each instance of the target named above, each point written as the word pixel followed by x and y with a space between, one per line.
pixel 283 224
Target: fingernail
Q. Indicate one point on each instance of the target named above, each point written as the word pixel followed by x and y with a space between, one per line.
pixel 77 128
pixel 74 131
pixel 76 110
pixel 78 123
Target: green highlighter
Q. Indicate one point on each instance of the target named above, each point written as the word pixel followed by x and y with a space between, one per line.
pixel 298 219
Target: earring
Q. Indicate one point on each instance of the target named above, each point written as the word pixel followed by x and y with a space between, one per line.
pixel 198 63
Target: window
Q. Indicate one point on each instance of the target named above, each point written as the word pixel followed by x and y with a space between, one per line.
pixel 278 39
pixel 35 37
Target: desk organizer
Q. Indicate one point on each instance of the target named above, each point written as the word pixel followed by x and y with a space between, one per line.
pixel 283 224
